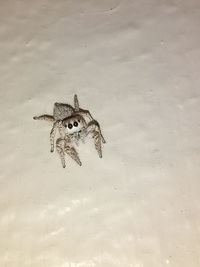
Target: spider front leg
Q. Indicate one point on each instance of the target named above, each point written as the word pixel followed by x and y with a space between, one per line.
pixel 102 138
pixel 56 125
pixel 63 146
pixel 60 144
pixel 95 131
pixel 98 128
pixel 86 114
pixel 71 151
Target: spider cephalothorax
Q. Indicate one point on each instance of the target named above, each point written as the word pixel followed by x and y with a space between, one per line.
pixel 74 124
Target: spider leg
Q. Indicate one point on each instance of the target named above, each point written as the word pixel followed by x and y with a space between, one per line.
pixel 76 103
pixel 44 117
pixel 53 133
pixel 85 113
pixel 61 130
pixel 63 146
pixel 102 138
pixel 71 151
pixel 94 129
pixel 98 129
pixel 60 143
pixel 80 111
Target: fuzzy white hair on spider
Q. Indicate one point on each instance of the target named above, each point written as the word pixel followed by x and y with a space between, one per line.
pixel 73 124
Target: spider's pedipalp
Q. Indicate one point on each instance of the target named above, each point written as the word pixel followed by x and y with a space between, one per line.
pixel 97 143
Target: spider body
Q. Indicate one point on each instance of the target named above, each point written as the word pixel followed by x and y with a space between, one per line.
pixel 74 125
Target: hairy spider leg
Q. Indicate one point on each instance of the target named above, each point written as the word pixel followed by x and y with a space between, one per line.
pixel 80 111
pixel 71 151
pixel 63 147
pixel 44 117
pixel 76 103
pixel 94 129
pixel 85 114
pixel 57 124
pixel 60 149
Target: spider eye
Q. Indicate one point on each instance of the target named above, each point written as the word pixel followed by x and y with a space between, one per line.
pixel 70 126
pixel 75 123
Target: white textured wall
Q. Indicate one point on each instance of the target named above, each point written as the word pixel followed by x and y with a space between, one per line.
pixel 135 65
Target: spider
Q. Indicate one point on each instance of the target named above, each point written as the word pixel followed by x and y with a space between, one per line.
pixel 74 124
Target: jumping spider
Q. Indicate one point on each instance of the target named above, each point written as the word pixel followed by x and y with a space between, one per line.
pixel 74 124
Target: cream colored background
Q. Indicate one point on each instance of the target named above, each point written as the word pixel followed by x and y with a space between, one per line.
pixel 135 65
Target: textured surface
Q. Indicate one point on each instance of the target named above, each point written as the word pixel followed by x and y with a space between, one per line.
pixel 135 65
